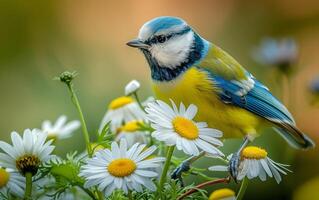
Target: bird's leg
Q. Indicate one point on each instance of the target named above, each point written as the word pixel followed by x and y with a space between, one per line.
pixel 185 166
pixel 234 161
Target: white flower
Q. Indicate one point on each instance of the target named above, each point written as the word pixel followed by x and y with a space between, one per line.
pixel 132 133
pixel 121 110
pixel 120 168
pixel 11 181
pixel 176 127
pixel 27 153
pixel 132 87
pixel 222 194
pixel 255 163
pixel 60 129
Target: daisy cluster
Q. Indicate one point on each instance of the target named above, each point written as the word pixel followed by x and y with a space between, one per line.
pixel 139 145
pixel 171 124
pixel 28 153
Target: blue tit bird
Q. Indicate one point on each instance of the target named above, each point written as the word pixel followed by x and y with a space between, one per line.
pixel 187 68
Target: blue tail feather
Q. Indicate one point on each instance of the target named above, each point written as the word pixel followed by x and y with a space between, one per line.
pixel 261 102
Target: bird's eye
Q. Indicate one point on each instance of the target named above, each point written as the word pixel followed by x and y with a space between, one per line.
pixel 161 38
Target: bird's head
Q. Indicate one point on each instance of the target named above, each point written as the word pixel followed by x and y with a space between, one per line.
pixel 170 46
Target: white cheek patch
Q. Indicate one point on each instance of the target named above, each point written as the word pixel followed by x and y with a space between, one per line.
pixel 173 52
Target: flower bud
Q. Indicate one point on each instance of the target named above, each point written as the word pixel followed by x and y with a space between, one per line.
pixel 67 77
pixel 132 87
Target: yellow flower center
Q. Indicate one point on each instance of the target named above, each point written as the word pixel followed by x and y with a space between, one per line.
pixel 131 126
pixel 221 194
pixel 120 102
pixel 253 152
pixel 28 163
pixel 121 167
pixel 4 177
pixel 185 128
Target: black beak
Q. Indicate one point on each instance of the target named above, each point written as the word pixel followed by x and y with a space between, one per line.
pixel 136 43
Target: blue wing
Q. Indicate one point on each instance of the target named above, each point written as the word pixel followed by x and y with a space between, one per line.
pixel 256 98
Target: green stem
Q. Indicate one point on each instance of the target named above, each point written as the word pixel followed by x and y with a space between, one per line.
pixel 138 101
pixel 83 124
pixel 129 195
pixel 28 186
pixel 165 169
pixel 100 195
pixel 89 149
pixel 91 194
pixel 242 189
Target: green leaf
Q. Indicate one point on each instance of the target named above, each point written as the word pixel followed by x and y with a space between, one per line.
pixel 68 171
pixel 104 132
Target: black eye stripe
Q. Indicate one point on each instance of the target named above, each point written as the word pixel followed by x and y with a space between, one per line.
pixel 163 38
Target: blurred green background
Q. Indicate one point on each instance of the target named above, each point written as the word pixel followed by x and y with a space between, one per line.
pixel 40 39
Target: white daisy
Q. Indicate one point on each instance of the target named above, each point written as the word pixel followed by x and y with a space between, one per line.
pixel 255 163
pixel 222 194
pixel 11 181
pixel 132 87
pixel 27 152
pixel 176 127
pixel 61 129
pixel 132 133
pixel 120 168
pixel 121 110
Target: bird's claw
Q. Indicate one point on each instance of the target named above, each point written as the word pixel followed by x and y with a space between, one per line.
pixel 233 166
pixel 177 173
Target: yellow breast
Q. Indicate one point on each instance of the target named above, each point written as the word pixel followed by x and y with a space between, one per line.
pixel 194 87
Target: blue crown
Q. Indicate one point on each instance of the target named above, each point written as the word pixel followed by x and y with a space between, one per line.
pixel 163 23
